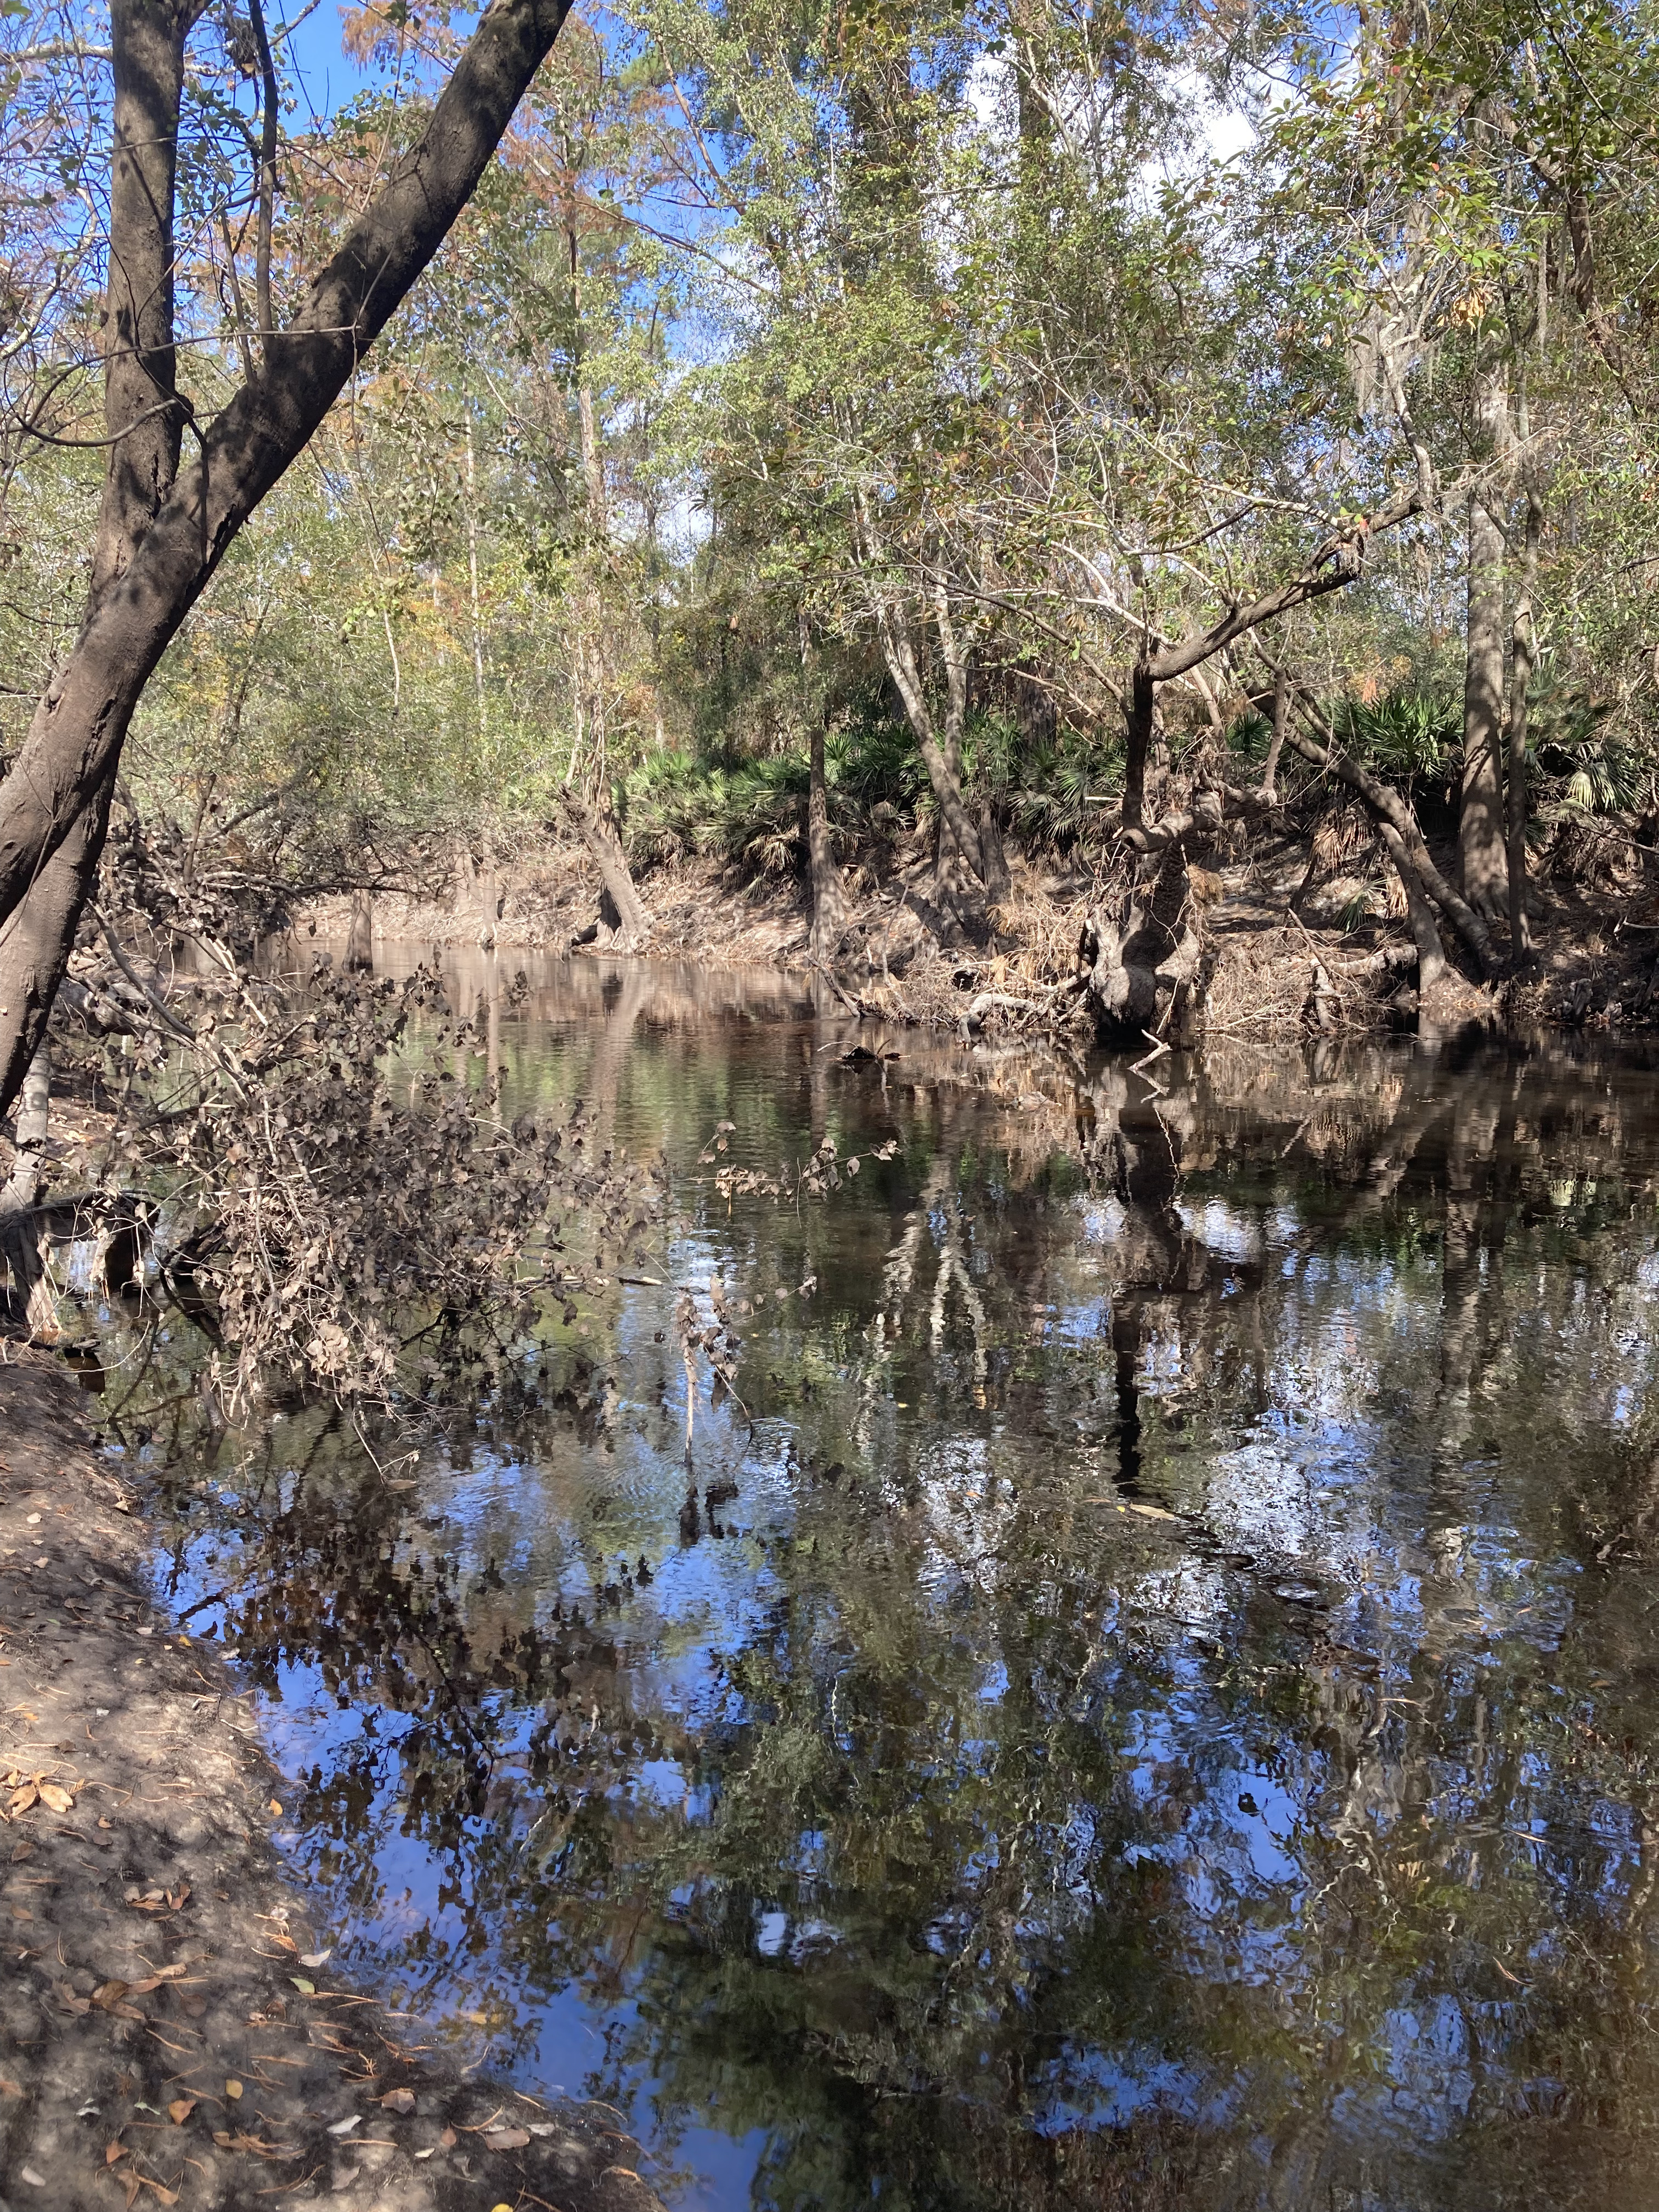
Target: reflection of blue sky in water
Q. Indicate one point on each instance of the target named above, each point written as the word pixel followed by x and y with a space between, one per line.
pixel 1309 1800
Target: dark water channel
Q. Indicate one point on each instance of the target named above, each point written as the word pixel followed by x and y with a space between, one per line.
pixel 1159 1703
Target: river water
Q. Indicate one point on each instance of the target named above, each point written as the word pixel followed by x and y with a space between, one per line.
pixel 1149 1694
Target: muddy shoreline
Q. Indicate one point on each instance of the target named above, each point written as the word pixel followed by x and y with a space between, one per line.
pixel 169 2032
pixel 1595 964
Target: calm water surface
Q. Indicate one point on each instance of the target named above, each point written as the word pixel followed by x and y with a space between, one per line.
pixel 1151 1697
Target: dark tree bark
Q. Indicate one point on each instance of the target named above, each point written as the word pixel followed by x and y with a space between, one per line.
pixel 1139 714
pixel 829 897
pixel 146 585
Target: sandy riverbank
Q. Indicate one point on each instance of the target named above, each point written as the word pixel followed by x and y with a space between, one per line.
pixel 168 2035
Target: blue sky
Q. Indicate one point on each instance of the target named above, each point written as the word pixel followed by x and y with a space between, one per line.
pixel 326 77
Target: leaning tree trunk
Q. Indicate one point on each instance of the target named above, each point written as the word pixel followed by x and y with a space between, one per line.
pixel 154 579
pixel 1480 827
pixel 37 938
pixel 1419 914
pixel 597 826
pixel 829 896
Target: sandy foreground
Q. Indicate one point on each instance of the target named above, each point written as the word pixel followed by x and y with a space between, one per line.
pixel 168 2035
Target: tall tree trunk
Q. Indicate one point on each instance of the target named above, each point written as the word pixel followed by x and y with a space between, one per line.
pixel 359 938
pixel 1481 838
pixel 1276 745
pixel 829 897
pixel 1523 658
pixel 998 881
pixel 145 585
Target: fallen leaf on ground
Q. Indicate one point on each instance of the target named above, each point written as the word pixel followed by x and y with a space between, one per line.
pixel 447 2139
pixel 55 1798
pixel 233 2088
pixel 21 1800
pixel 180 2110
pixel 506 2138
pixel 109 1993
pixel 114 2151
pixel 316 1958
pixel 344 2127
pixel 34 2180
pixel 306 1989
pixel 399 2101
pixel 275 1807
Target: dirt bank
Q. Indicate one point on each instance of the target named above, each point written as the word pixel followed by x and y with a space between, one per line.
pixel 1274 914
pixel 169 2032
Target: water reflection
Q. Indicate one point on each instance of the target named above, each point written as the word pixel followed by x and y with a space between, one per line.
pixel 1151 1696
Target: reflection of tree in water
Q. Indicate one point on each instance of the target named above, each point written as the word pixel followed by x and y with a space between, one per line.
pixel 1198 1751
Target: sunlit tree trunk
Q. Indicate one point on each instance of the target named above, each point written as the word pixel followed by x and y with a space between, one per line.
pixel 829 897
pixel 20 1239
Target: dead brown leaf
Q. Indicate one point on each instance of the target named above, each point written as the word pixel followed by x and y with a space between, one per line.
pixel 55 1798
pixel 180 2110
pixel 506 2138
pixel 399 2101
